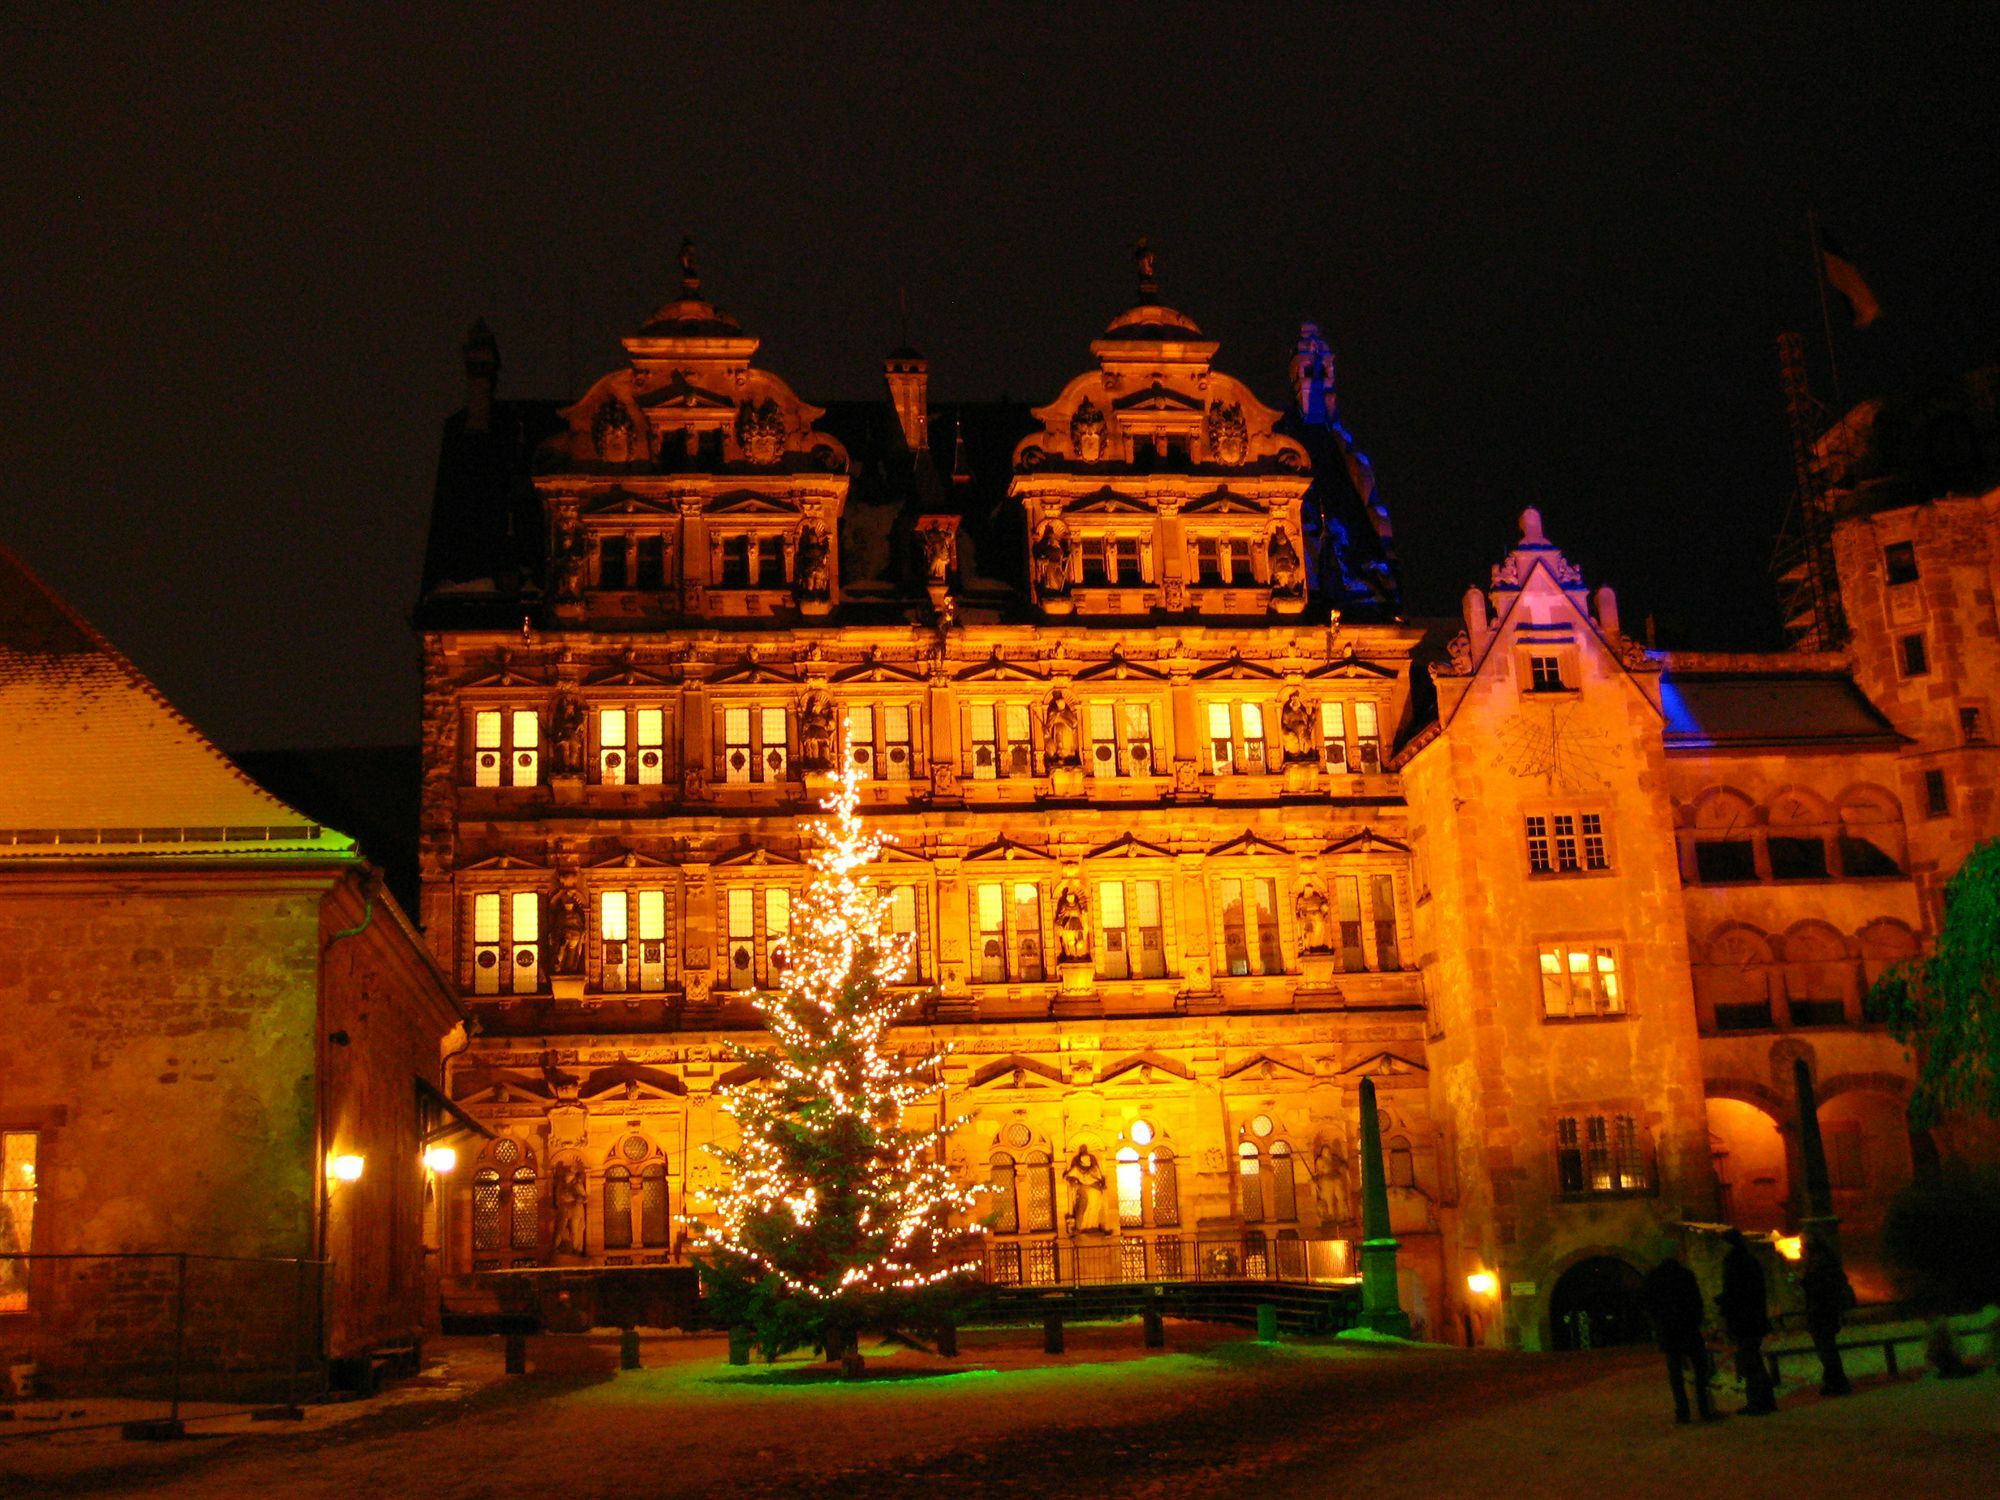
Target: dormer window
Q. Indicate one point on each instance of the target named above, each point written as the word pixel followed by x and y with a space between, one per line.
pixel 1545 673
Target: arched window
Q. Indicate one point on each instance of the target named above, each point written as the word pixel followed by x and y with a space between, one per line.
pixel 1283 1199
pixel 1871 834
pixel 1724 846
pixel 655 1222
pixel 1250 1179
pixel 1733 982
pixel 506 1208
pixel 1798 826
pixel 617 1208
pixel 1037 1193
pixel 1163 1190
pixel 1818 975
pixel 1884 944
pixel 1006 1207
pixel 1131 1189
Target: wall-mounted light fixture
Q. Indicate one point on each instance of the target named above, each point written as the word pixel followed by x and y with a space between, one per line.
pixel 345 1167
pixel 440 1159
pixel 1483 1284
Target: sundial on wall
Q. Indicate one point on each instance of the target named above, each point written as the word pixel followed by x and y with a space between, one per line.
pixel 1544 743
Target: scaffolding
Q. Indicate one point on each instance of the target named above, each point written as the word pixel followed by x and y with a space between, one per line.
pixel 1803 561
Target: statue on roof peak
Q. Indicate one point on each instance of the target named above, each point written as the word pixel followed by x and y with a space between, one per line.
pixel 690 279
pixel 1149 281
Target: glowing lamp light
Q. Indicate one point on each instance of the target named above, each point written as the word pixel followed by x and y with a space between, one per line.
pixel 1791 1246
pixel 1482 1284
pixel 345 1168
pixel 440 1159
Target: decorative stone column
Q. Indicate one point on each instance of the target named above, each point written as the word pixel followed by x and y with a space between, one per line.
pixel 1381 1302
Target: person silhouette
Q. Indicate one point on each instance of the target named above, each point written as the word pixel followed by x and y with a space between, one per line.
pixel 1673 1303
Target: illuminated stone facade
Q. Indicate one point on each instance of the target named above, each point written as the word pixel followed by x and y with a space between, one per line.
pixel 1195 831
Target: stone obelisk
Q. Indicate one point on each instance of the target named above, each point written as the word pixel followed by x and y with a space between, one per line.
pixel 1381 1304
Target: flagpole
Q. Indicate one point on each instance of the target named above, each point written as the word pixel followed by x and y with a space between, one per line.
pixel 1825 316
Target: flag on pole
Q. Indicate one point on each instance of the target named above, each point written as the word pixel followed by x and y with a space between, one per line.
pixel 1843 276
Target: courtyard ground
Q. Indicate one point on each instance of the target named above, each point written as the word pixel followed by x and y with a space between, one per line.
pixel 1215 1415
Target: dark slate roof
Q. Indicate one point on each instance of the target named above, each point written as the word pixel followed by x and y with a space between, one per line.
pixel 1752 710
pixel 486 537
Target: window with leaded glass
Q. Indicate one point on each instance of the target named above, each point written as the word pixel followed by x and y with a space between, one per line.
pixel 755 745
pixel 1007 942
pixel 617 1208
pixel 1347 922
pixel 1250 942
pixel 1163 1190
pixel 758 920
pixel 1001 1202
pixel 655 1223
pixel 1037 1191
pixel 1131 1176
pixel 1283 1199
pixel 1367 737
pixel 1001 741
pixel 19 1190
pixel 1134 939
pixel 506 942
pixel 1388 954
pixel 506 747
pixel 631 746
pixel 1598 1153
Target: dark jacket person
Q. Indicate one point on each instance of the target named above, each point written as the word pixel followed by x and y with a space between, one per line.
pixel 1744 1305
pixel 1673 1302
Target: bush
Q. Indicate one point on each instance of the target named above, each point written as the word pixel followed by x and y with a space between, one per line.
pixel 1942 1238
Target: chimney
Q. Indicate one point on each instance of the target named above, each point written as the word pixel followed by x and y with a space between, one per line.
pixel 908 375
pixel 482 374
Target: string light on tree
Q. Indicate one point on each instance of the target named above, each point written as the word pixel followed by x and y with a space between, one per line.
pixel 837 1215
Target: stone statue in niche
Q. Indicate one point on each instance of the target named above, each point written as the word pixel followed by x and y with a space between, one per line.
pixel 613 433
pixel 572 1197
pixel 1329 1180
pixel 1295 728
pixel 937 542
pixel 571 562
pixel 760 431
pixel 818 719
pixel 1228 433
pixel 1088 434
pixel 566 720
pixel 1061 737
pixel 1460 649
pixel 1085 1176
pixel 1051 560
pixel 1315 920
pixel 1288 574
pixel 812 566
pixel 566 928
pixel 1072 931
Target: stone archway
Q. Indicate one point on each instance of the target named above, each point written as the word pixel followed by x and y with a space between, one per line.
pixel 1596 1303
pixel 1752 1162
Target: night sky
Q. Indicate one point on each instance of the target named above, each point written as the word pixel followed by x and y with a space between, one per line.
pixel 1552 249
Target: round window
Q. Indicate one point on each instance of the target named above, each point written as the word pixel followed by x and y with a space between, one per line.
pixel 1262 1125
pixel 506 1152
pixel 636 1149
pixel 1142 1132
pixel 1018 1134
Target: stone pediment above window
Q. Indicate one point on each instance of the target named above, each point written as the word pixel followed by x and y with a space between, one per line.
pixel 1004 848
pixel 1159 396
pixel 1118 669
pixel 506 674
pixel 498 1086
pixel 1015 1072
pixel 1247 842
pixel 749 1072
pixel 630 1080
pixel 1352 666
pixel 876 670
pixel 629 674
pixel 1223 503
pixel 678 393
pixel 502 862
pixel 747 673
pixel 1108 502
pixel 743 503
pixel 624 502
pixel 1236 669
pixel 1384 1065
pixel 997 668
pixel 1143 1068
pixel 632 859
pixel 896 854
pixel 1269 1064
pixel 754 856
pixel 1367 841
pixel 1127 846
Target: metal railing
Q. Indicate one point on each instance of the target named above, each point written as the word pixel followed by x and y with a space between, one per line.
pixel 1279 1255
pixel 156 1333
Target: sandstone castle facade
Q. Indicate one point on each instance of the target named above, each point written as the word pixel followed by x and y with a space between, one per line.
pixel 1194 828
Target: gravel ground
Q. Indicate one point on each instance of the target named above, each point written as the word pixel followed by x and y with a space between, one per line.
pixel 1216 1415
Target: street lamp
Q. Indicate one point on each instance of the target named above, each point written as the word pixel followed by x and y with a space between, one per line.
pixel 345 1167
pixel 1482 1284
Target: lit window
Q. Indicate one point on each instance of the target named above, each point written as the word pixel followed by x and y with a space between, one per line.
pixel 19 1187
pixel 1001 746
pixel 754 745
pixel 1250 926
pixel 899 917
pixel 1008 940
pixel 506 1207
pixel 1600 1154
pixel 1388 956
pixel 894 756
pixel 617 1208
pixel 1236 739
pixel 509 960
pixel 1347 916
pixel 631 746
pixel 1134 941
pixel 1333 734
pixel 1121 739
pixel 758 921
pixel 1580 979
pixel 1367 737
pixel 1131 1189
pixel 506 746
pixel 633 960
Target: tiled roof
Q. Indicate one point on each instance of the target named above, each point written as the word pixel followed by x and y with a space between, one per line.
pixel 94 762
pixel 1725 710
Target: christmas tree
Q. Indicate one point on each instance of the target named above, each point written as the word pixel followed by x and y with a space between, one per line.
pixel 836 1216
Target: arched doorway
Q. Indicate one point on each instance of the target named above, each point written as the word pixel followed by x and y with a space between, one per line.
pixel 1597 1303
pixel 1750 1172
